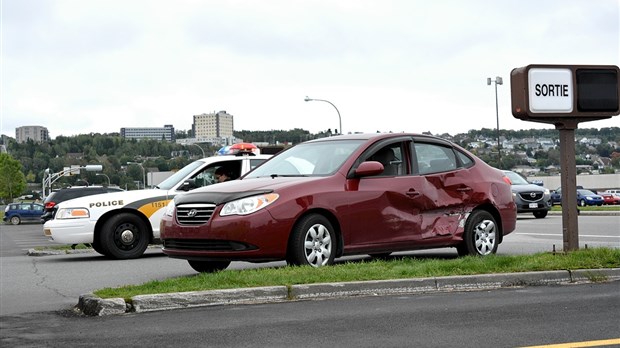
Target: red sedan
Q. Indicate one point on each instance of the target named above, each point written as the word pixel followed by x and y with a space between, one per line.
pixel 351 194
pixel 610 198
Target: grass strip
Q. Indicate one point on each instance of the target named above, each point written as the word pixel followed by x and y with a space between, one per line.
pixel 396 268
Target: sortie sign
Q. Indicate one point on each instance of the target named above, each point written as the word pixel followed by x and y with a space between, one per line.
pixel 544 93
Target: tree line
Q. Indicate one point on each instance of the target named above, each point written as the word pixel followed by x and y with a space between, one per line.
pixel 27 162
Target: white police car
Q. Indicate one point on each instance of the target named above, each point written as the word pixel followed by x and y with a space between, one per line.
pixel 121 225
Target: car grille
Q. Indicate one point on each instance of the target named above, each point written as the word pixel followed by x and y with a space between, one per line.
pixel 531 196
pixel 206 245
pixel 194 214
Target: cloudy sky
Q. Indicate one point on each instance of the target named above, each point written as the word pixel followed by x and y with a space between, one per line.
pixel 78 66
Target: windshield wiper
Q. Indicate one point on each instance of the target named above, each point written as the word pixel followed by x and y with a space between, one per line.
pixel 287 175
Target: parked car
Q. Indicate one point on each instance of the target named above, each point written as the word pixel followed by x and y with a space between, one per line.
pixel 556 196
pixel 529 198
pixel 16 213
pixel 610 198
pixel 351 194
pixel 587 197
pixel 68 193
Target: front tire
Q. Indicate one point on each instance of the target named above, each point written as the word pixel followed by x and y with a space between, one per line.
pixel 15 220
pixel 312 242
pixel 123 236
pixel 582 203
pixel 97 247
pixel 208 266
pixel 481 235
pixel 540 214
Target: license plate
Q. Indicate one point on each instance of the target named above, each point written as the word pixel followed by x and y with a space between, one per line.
pixel 533 205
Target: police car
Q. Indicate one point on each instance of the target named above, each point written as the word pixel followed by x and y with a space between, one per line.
pixel 121 225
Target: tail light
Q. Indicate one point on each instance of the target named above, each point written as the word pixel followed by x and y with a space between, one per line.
pixel 507 180
pixel 50 205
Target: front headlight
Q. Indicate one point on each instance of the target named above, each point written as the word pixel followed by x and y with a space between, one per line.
pixel 72 213
pixel 169 209
pixel 589 198
pixel 248 205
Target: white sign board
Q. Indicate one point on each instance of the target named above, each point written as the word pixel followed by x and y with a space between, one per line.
pixel 550 90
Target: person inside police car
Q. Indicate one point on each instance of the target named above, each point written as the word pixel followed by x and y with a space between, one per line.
pixel 223 174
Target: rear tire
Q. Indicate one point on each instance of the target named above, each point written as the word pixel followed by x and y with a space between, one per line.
pixel 313 242
pixel 481 235
pixel 582 203
pixel 124 236
pixel 208 266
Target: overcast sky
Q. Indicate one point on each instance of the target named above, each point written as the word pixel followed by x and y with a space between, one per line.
pixel 77 66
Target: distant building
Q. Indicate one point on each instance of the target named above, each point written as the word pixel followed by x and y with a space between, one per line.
pixel 38 134
pixel 216 125
pixel 155 133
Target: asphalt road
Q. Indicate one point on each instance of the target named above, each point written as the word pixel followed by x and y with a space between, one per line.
pixel 49 283
pixel 514 317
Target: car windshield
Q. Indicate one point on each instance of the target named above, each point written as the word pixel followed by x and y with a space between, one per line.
pixel 311 158
pixel 179 175
pixel 586 192
pixel 515 178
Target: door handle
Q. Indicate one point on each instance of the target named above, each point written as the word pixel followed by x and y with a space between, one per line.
pixel 413 193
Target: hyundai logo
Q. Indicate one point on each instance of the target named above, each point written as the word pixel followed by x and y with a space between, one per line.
pixel 192 213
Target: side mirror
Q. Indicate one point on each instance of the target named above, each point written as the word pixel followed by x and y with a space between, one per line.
pixel 369 168
pixel 188 185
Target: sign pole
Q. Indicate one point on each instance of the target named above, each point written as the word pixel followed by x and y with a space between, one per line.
pixel 568 180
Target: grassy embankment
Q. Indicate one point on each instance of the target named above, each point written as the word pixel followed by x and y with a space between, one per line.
pixel 398 268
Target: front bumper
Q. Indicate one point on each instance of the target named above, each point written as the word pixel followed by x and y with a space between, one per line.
pixel 71 231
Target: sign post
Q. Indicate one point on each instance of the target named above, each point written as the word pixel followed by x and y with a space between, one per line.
pixel 565 95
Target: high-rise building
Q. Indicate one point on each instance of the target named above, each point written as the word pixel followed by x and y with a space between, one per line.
pixel 156 133
pixel 216 125
pixel 38 134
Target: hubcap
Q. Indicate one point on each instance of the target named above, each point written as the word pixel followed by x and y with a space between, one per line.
pixel 485 237
pixel 127 236
pixel 318 245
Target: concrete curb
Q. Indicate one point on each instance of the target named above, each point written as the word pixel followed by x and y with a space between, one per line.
pixel 92 305
pixel 589 213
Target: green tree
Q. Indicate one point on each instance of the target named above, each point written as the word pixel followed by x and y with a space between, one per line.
pixel 12 180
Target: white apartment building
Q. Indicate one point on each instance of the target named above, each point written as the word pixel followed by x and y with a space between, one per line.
pixel 38 134
pixel 216 125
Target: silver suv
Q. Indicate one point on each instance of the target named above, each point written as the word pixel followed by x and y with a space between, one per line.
pixel 529 198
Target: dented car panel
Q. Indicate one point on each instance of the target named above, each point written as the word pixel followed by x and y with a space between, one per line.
pixel 342 196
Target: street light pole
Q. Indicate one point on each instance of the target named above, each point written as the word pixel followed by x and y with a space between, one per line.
pixel 143 172
pixel 201 149
pixel 332 104
pixel 498 81
pixel 101 174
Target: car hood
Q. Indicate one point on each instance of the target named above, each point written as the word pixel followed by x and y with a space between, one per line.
pixel 124 196
pixel 527 188
pixel 232 190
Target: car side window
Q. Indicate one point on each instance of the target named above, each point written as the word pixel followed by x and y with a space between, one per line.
pixel 434 158
pixel 466 161
pixel 391 156
pixel 255 163
pixel 207 176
